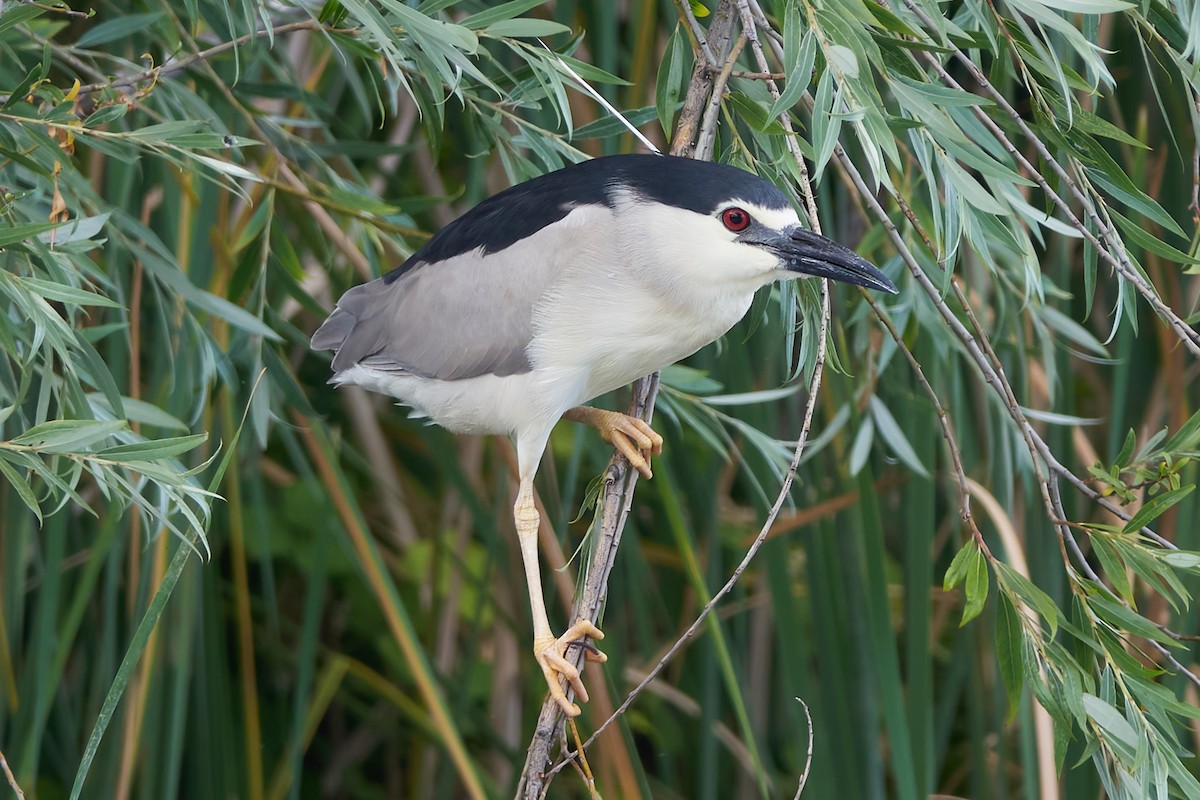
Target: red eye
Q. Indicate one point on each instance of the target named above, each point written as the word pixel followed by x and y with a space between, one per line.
pixel 735 219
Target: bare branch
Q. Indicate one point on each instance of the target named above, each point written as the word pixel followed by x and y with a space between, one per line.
pixel 12 781
pixel 807 753
pixel 619 480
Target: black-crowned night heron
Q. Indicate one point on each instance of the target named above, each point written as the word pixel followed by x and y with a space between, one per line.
pixel 563 288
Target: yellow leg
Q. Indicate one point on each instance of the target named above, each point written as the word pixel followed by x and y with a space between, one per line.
pixel 548 650
pixel 634 437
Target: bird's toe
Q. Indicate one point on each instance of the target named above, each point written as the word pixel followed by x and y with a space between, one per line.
pixel 653 441
pixel 551 657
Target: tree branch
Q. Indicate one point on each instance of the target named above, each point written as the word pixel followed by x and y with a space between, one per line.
pixel 171 67
pixel 619 480
pixel 704 138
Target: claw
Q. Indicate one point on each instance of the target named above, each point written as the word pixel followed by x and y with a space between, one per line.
pixel 550 655
pixel 632 437
pixel 589 649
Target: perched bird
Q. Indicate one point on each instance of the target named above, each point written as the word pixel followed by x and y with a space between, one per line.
pixel 565 287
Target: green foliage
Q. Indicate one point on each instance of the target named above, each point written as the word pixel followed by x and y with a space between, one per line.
pixel 186 188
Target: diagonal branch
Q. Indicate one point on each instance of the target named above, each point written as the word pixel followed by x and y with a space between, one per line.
pixel 694 135
pixel 171 67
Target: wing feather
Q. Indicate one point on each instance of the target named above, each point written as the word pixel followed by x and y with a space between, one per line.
pixel 468 315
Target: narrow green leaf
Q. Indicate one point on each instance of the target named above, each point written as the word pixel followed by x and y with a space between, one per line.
pixel 138 411
pixel 608 125
pixel 959 564
pixel 119 28
pixel 1073 331
pixel 18 14
pixel 211 141
pixel 943 96
pixel 1114 567
pixel 1182 559
pixel 1126 452
pixel 1187 438
pixel 105 114
pixel 65 294
pixel 1151 243
pixel 1098 126
pixel 861 449
pixel 165 131
pixel 670 79
pixel 526 27
pixel 1111 721
pixel 825 123
pixel 889 21
pixel 1031 595
pixel 132 655
pixel 1010 650
pixel 893 434
pixel 1126 620
pixel 22 488
pixel 1157 507
pixel 1088 6
pixel 20 233
pixel 513 8
pixel 68 435
pixel 228 168
pixel 154 449
pixel 800 52
pixel 976 586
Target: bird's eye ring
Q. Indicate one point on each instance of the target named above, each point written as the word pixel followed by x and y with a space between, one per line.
pixel 735 219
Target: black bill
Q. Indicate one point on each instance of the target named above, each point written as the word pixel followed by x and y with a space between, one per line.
pixel 812 254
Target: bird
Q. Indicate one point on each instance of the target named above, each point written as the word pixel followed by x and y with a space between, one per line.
pixel 560 289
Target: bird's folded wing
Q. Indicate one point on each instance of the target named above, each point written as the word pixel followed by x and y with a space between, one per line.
pixel 455 319
pixel 471 313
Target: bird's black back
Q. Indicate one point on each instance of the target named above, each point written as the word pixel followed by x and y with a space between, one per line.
pixel 524 209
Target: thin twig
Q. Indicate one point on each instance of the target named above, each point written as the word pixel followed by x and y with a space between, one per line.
pixel 62 9
pixel 704 147
pixel 808 752
pixel 754 76
pixel 809 409
pixel 960 476
pixel 170 68
pixel 697 33
pixel 12 781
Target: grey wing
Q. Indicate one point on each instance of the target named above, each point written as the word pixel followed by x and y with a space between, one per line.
pixel 465 316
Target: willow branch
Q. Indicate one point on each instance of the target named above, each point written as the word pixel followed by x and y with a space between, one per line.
pixel 1114 255
pixel 172 67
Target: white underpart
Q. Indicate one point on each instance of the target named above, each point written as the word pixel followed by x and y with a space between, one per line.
pixel 633 289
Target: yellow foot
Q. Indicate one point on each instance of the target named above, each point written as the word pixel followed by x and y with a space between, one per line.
pixel 551 657
pixel 633 437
